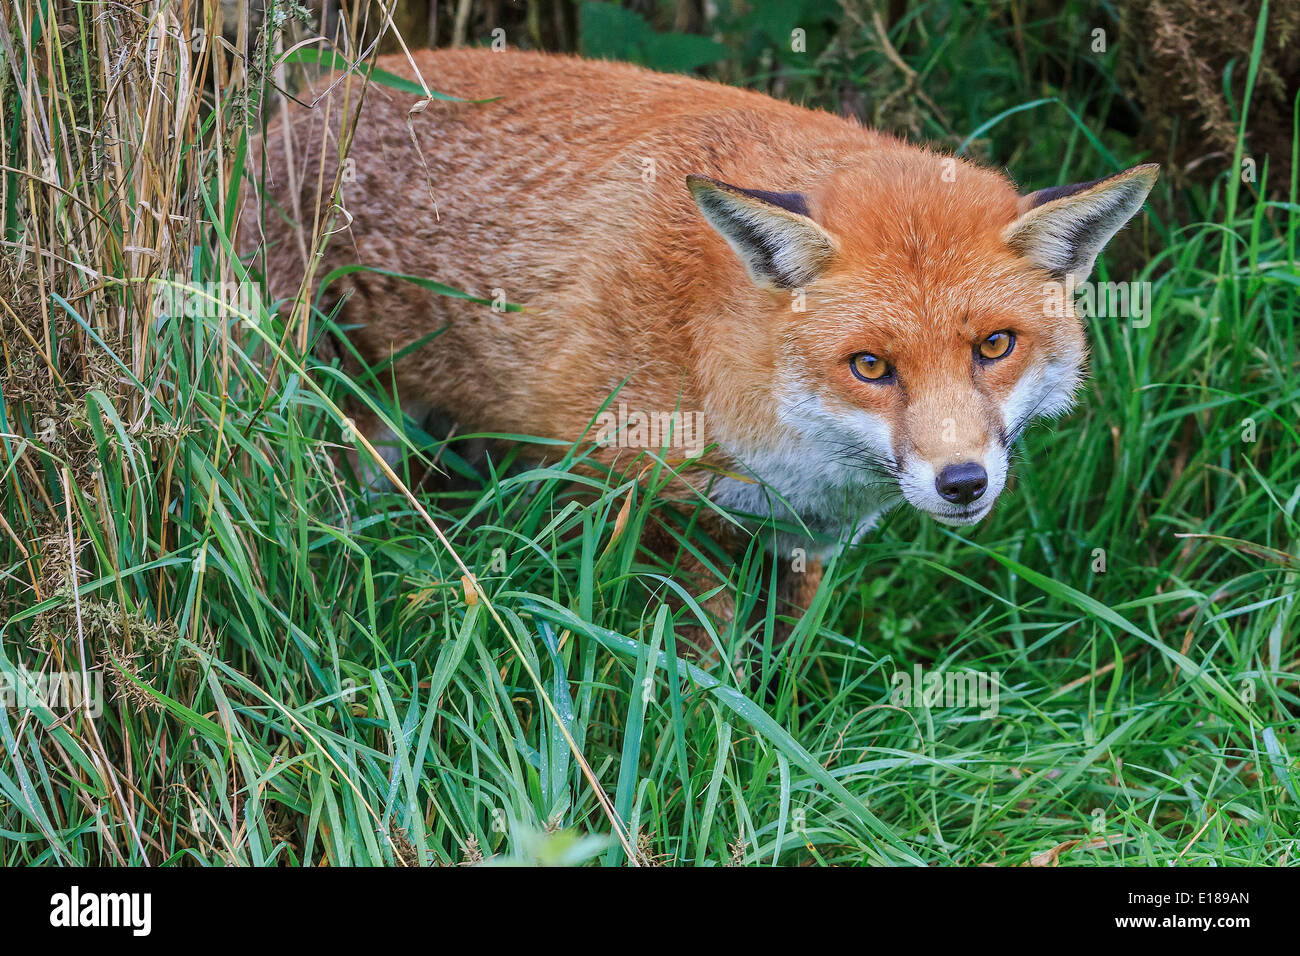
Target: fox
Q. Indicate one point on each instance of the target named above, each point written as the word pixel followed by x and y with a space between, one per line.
pixel 853 322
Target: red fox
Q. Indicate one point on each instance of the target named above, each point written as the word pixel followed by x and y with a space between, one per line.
pixel 849 321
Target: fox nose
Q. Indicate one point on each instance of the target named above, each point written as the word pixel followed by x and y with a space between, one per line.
pixel 962 484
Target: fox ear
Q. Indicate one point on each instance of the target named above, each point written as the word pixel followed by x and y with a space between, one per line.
pixel 772 233
pixel 1063 228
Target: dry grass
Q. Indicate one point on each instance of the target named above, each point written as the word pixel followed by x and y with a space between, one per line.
pixel 301 670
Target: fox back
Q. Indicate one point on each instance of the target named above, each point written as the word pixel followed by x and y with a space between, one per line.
pixel 848 320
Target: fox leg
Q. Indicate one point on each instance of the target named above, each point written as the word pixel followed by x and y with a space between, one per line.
pixel 795 591
pixel 794 594
pixel 386 441
pixel 693 637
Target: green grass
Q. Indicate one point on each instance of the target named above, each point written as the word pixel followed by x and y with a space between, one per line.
pixel 300 674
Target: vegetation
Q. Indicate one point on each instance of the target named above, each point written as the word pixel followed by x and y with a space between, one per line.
pixel 301 669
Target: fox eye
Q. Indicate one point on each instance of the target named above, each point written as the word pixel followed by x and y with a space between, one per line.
pixel 996 346
pixel 869 368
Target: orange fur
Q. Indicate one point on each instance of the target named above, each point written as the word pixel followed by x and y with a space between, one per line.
pixel 543 196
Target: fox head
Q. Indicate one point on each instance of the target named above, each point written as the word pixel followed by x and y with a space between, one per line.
pixel 914 319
